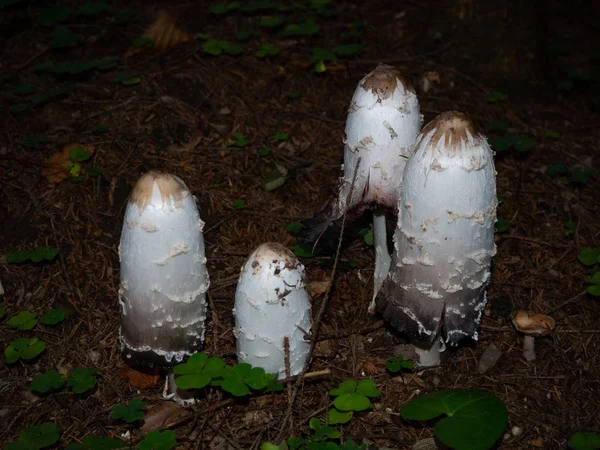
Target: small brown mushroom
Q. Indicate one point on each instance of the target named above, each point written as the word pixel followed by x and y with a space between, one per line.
pixel 532 325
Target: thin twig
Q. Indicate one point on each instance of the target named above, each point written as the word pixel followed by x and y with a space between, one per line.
pixel 317 323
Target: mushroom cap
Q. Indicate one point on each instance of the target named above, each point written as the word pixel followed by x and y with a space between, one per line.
pixel 533 324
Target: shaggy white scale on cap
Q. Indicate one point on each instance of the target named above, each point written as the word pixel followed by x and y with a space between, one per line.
pixel 381 129
pixel 444 241
pixel 271 303
pixel 163 273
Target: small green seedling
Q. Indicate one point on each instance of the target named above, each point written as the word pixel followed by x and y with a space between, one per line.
pixel 92 8
pixel 347 50
pixel 308 28
pixel 33 140
pixel 38 255
pixel 23 348
pixel 584 441
pixel 569 227
pixel 2 313
pixel 271 22
pixel 98 443
pixel 100 129
pixel 267 50
pixel 23 321
pixel 398 364
pixel 127 79
pixel 63 37
pixel 95 171
pixel 129 413
pixel 510 140
pixel 552 134
pixel 351 397
pixel 368 236
pixel 24 89
pixel 242 35
pixel 496 96
pixel 292 95
pixel 45 382
pixel 36 437
pixel 575 175
pixel 475 420
pixel 215 47
pixel 224 8
pixel 304 251
pixel 238 140
pixel 200 371
pixel 264 151
pixel 239 204
pixel 82 379
pixel 502 225
pixel 280 137
pixel 52 317
pixel 594 280
pixel 294 227
pixel 589 256
pixel 158 440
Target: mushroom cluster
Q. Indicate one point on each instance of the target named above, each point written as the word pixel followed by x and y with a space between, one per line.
pixel 438 185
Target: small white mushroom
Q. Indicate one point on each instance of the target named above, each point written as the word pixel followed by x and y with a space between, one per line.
pixel 444 240
pixel 532 325
pixel 272 307
pixel 163 273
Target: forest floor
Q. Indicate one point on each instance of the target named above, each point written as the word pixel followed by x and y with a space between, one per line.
pixel 527 77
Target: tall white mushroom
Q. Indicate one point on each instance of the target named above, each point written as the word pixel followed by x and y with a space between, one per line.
pixel 444 240
pixel 381 129
pixel 163 273
pixel 272 307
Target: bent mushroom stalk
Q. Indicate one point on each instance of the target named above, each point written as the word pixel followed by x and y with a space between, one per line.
pixel 164 279
pixel 272 311
pixel 381 128
pixel 444 240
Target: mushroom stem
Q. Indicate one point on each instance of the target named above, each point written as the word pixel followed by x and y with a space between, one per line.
pixel 383 258
pixel 529 348
pixel 428 357
pixel 180 396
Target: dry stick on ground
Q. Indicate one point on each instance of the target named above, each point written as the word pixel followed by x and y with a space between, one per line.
pixel 317 324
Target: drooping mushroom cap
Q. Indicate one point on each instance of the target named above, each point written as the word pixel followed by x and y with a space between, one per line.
pixel 533 324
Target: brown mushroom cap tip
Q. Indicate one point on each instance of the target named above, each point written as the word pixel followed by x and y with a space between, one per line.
pixel 532 324
pixel 168 185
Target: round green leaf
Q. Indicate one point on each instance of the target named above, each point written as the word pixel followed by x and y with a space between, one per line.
pixel 335 416
pixel 193 381
pixel 257 379
pixel 82 379
pixel 25 320
pixel 476 420
pixel 235 387
pixel 194 364
pixel 46 381
pixel 158 440
pixel 53 317
pixel 39 436
pixel 352 402
pixel 584 441
pixel 95 443
pixel 367 388
pixel 345 387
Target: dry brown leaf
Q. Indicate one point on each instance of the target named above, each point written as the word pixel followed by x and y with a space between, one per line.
pixel 56 168
pixel 537 442
pixel 164 33
pixel 161 416
pixel 317 287
pixel 137 379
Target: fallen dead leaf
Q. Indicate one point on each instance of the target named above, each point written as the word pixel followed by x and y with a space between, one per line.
pixel 317 287
pixel 56 167
pixel 537 442
pixel 161 416
pixel 164 33
pixel 137 379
